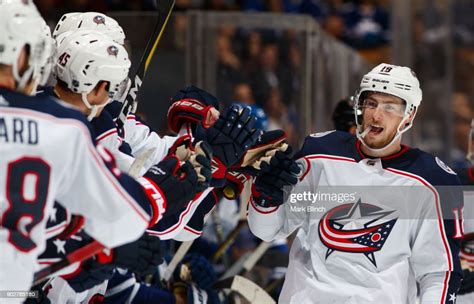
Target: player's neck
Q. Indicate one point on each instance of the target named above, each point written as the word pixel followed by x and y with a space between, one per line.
pixel 70 98
pixel 392 149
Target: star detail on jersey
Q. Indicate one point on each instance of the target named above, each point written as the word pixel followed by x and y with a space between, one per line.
pixel 52 215
pixel 60 246
pixel 356 228
pixel 452 297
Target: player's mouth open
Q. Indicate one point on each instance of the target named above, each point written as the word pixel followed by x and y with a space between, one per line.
pixel 375 130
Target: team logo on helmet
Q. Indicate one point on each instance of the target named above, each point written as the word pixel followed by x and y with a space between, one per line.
pixel 112 50
pixel 356 228
pixel 99 19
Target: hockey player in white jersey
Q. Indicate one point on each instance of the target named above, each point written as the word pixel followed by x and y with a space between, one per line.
pixel 376 245
pixel 48 154
pixel 80 77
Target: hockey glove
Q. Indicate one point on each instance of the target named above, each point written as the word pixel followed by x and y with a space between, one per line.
pixel 176 185
pixel 267 145
pixel 230 137
pixel 90 274
pixel 197 269
pixel 140 257
pixel 234 184
pixel 200 157
pixel 274 179
pixel 192 105
pixel 201 161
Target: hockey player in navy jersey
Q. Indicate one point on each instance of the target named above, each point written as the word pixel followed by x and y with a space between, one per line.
pixel 396 229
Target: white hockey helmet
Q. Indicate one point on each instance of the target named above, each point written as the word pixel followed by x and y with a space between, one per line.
pixel 21 26
pixel 45 64
pixel 395 80
pixel 85 58
pixel 72 22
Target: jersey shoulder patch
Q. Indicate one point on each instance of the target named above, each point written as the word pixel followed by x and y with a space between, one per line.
pixel 433 169
pixel 321 134
pixel 444 166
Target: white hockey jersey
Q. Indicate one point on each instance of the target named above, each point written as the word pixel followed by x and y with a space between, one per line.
pixel 375 228
pixel 47 153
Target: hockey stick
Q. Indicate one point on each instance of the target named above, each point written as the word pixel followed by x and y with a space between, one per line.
pixel 95 247
pixel 244 199
pixel 246 262
pixel 79 255
pixel 177 257
pixel 164 8
pixel 247 289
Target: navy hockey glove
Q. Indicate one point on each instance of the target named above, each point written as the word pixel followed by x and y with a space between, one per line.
pixel 200 157
pixel 265 147
pixel 140 257
pixel 197 269
pixel 274 179
pixel 467 284
pixel 230 137
pixel 192 105
pixel 201 161
pixel 91 273
pixel 176 183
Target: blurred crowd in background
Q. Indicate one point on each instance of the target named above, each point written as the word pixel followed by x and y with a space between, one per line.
pixel 263 68
pixel 359 23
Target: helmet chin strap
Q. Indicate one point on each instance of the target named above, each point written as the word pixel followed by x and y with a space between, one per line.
pixel 94 108
pixel 21 81
pixel 399 133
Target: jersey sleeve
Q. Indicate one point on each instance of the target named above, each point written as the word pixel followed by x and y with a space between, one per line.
pixel 141 139
pixel 172 226
pixel 106 198
pixel 435 250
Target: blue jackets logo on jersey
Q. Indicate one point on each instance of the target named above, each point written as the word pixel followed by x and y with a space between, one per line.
pixel 356 228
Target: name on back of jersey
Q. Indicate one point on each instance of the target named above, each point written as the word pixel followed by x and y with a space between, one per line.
pixel 19 130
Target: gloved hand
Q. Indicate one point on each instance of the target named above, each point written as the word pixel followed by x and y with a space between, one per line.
pixel 274 178
pixel 231 135
pixel 197 269
pixel 266 146
pixel 192 105
pixel 199 156
pixel 140 257
pixel 201 160
pixel 90 274
pixel 176 184
pixel 467 284
pixel 234 184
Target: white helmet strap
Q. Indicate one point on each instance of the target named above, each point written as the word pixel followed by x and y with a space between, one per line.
pixel 94 108
pixel 21 81
pixel 403 126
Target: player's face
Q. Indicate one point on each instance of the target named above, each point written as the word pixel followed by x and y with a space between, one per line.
pixel 383 114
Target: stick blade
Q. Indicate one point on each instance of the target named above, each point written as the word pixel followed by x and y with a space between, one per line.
pixel 247 289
